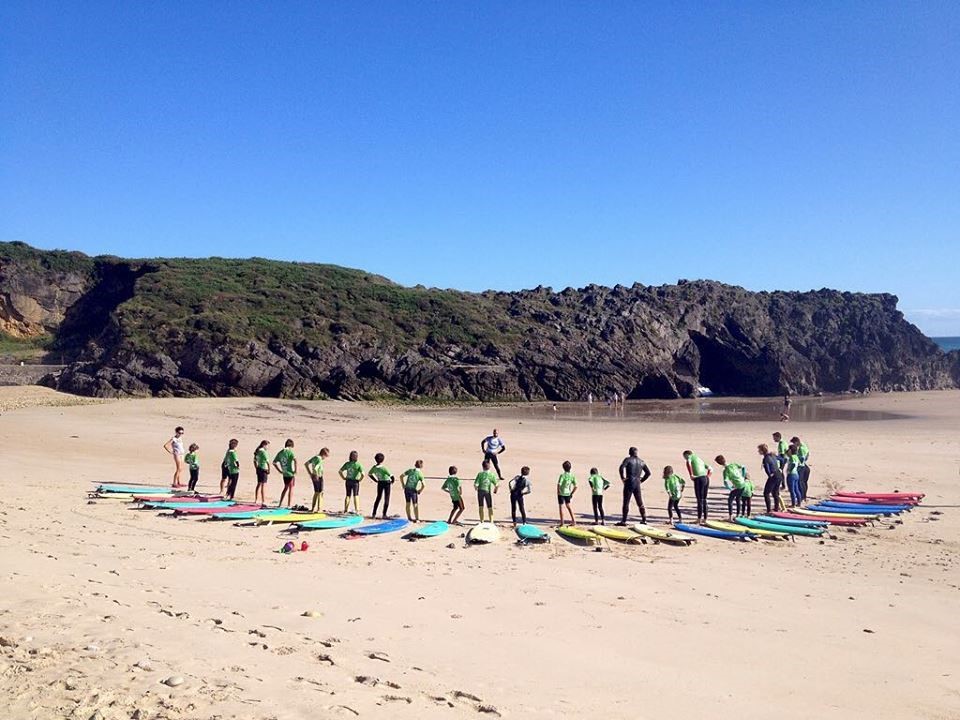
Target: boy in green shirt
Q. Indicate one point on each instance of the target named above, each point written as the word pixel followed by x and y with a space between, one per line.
pixel 734 475
pixel 314 468
pixel 193 463
pixel 351 472
pixel 674 485
pixel 597 485
pixel 286 464
pixel 384 479
pixel 566 487
pixel 451 486
pixel 231 470
pixel 261 463
pixel 484 482
pixel 412 485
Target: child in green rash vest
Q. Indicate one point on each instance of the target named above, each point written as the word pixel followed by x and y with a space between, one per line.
pixel 804 453
pixel 746 494
pixel 351 472
pixel 286 464
pixel 734 475
pixel 484 482
pixel 261 464
pixel 782 446
pixel 674 485
pixel 566 487
pixel 314 468
pixel 193 462
pixel 231 468
pixel 412 485
pixel 597 485
pixel 700 473
pixel 451 486
pixel 384 479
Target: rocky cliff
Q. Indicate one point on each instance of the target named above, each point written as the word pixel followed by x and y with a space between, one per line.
pixel 257 327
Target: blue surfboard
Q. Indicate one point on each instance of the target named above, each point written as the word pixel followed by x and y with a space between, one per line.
pixel 431 530
pixel 851 511
pixel 531 533
pixel 864 508
pixel 330 523
pixel 387 526
pixel 710 532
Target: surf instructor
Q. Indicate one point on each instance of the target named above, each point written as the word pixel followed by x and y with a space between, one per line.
pixel 633 472
pixel 492 446
pixel 174 446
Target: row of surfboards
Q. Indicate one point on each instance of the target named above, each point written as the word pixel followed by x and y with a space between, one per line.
pixel 841 509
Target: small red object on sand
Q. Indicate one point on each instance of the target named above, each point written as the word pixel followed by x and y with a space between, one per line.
pixel 304 546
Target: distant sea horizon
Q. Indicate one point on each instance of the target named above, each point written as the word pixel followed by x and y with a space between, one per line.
pixel 947 343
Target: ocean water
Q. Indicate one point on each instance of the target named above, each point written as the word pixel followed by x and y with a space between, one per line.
pixel 947 343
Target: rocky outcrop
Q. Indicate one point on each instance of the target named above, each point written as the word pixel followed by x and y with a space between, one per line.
pixel 34 300
pixel 355 336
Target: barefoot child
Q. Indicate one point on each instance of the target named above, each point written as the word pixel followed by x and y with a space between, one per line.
pixel 412 485
pixel 485 482
pixel 314 468
pixel 193 462
pixel 519 486
pixel 382 476
pixel 261 463
pixel 566 487
pixel 231 470
pixel 674 485
pixel 597 485
pixel 451 486
pixel 286 464
pixel 351 472
pixel 734 476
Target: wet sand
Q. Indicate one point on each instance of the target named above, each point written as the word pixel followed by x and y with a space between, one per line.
pixel 103 602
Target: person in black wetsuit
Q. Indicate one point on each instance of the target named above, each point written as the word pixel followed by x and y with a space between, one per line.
pixel 633 472
pixel 771 488
pixel 519 486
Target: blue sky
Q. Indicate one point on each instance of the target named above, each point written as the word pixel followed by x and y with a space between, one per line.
pixel 791 145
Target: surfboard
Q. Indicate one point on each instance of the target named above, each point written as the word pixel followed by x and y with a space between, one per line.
pixel 531 533
pixel 285 516
pixel 177 498
pixel 883 496
pixel 823 515
pixel 248 514
pixel 211 509
pixel 431 530
pixel 618 534
pixel 330 523
pixel 843 522
pixel 663 535
pixel 710 532
pixel 485 532
pixel 167 505
pixel 133 489
pixel 855 507
pixel 790 522
pixel 380 528
pixel 848 511
pixel 578 533
pixel 759 526
pixel 734 527
pixel 874 501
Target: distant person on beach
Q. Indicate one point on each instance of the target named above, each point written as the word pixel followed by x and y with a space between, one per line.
pixel 734 475
pixel 351 472
pixel 486 484
pixel 566 488
pixel 519 486
pixel 314 468
pixel 492 446
pixel 699 472
pixel 230 470
pixel 452 486
pixel 382 476
pixel 804 453
pixel 192 461
pixel 597 484
pixel 792 471
pixel 285 462
pixel 775 480
pixel 412 487
pixel 674 485
pixel 174 446
pixel 261 465
pixel 633 473
pixel 785 413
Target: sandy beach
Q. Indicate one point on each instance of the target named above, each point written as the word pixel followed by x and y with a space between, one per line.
pixel 103 602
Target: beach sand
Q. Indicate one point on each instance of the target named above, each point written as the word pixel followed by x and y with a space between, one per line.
pixel 102 602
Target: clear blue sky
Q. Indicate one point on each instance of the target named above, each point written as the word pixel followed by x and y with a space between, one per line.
pixel 475 145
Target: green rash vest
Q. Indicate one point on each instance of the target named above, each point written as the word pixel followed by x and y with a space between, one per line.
pixel 316 463
pixel 733 476
pixel 747 490
pixel 381 473
pixel 674 486
pixel 782 447
pixel 793 465
pixel 261 460
pixel 285 459
pixel 192 461
pixel 353 470
pixel 452 486
pixel 566 484
pixel 597 484
pixel 698 468
pixel 232 462
pixel 412 478
pixel 804 453
pixel 486 481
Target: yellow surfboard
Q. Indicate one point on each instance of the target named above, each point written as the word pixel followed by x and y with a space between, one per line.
pixel 578 533
pixel 668 536
pixel 293 517
pixel 618 534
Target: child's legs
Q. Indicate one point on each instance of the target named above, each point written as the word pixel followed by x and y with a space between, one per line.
pixel 513 507
pixel 523 509
pixel 376 502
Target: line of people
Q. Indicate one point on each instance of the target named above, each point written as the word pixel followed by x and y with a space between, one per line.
pixel 787 467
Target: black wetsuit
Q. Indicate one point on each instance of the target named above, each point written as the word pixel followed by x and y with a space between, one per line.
pixel 633 472
pixel 383 492
pixel 771 489
pixel 520 484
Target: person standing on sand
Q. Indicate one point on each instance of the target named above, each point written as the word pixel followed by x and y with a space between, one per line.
pixel 519 486
pixel 785 413
pixel 231 470
pixel 804 453
pixel 452 487
pixel 492 446
pixel 286 464
pixel 412 487
pixel 633 473
pixel 193 462
pixel 782 446
pixel 382 476
pixel 700 473
pixel 771 488
pixel 351 472
pixel 174 446
pixel 484 482
pixel 314 468
pixel 674 485
pixel 261 465
pixel 597 484
pixel 792 471
pixel 734 475
pixel 566 489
